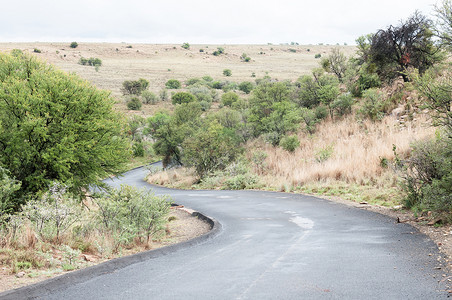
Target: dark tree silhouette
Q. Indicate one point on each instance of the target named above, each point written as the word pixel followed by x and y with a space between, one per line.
pixel 408 45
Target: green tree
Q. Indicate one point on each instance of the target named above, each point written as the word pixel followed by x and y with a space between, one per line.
pixel 134 87
pixel 56 126
pixel 209 149
pixel 186 46
pixel 73 45
pixel 227 72
pixel 229 98
pixel 246 87
pixel 443 26
pixel 182 97
pixel 173 84
pixel 8 186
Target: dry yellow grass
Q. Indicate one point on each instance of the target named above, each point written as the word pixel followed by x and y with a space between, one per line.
pixel 344 152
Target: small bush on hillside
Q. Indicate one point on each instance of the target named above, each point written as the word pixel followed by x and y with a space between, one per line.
pixel 227 99
pixel 343 105
pixel 134 87
pixel 149 97
pixel 290 143
pixel 428 177
pixel 227 72
pixel 163 94
pixel 373 105
pixel 182 97
pixel 36 50
pixel 219 51
pixel 173 84
pixel 246 87
pixel 134 104
pixel 318 55
pixel 90 61
pixel 186 46
pixel 73 45
pixel 192 81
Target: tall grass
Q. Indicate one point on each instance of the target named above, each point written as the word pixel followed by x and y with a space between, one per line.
pixel 345 151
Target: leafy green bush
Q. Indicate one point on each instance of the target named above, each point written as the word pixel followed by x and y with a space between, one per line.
pixel 73 45
pixel 428 176
pixel 202 93
pixel 186 46
pixel 69 131
pixel 343 104
pixel 173 84
pixel 229 98
pixel 193 81
pixel 149 97
pixel 182 97
pixel 134 103
pixel 163 94
pixel 134 87
pixel 36 50
pixel 138 149
pixel 227 72
pixel 318 55
pixel 8 186
pixel 219 51
pixel 90 61
pixel 246 87
pixel 290 143
pixel 373 105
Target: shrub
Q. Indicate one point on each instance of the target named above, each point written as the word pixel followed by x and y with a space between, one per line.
pixel 149 97
pixel 182 97
pixel 373 105
pixel 36 50
pixel 229 98
pixel 207 78
pixel 129 213
pixel 246 87
pixel 134 103
pixel 202 93
pixel 219 51
pixel 290 143
pixel 217 85
pixel 192 81
pixel 427 175
pixel 186 46
pixel 134 87
pixel 227 72
pixel 318 55
pixel 8 186
pixel 163 94
pixel 73 45
pixel 90 61
pixel 173 84
pixel 69 131
pixel 343 104
pixel 138 149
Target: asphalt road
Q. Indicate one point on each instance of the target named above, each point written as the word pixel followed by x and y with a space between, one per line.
pixel 272 246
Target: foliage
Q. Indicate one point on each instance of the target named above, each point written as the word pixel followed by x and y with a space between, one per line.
pixel 210 148
pixel 318 55
pixel 36 50
pixel 182 97
pixel 428 175
pixel 229 98
pixel 218 52
pixel 245 58
pixel 8 186
pixel 56 126
pixel 343 105
pixel 134 103
pixel 163 94
pixel 290 143
pixel 398 48
pixel 227 72
pixel 246 87
pixel 90 61
pixel 149 97
pixel 173 84
pixel 134 87
pixel 53 214
pixel 336 63
pixel 372 106
pixel 443 26
pixel 202 93
pixel 186 46
pixel 129 212
pixel 436 86
pixel 73 45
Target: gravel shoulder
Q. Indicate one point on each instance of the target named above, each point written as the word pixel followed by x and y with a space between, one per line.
pixel 184 227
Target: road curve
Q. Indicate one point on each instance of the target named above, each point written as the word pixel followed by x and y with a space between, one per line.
pixel 275 246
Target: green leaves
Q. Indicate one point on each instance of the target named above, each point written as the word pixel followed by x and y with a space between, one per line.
pixel 56 126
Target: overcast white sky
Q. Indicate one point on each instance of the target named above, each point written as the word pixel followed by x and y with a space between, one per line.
pixel 201 21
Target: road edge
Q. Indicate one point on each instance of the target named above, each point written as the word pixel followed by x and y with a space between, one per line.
pixel 41 288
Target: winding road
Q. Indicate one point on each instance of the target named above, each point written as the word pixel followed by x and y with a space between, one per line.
pixel 270 246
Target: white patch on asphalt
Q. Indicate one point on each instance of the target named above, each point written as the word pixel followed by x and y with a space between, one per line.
pixel 304 223
pixel 224 197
